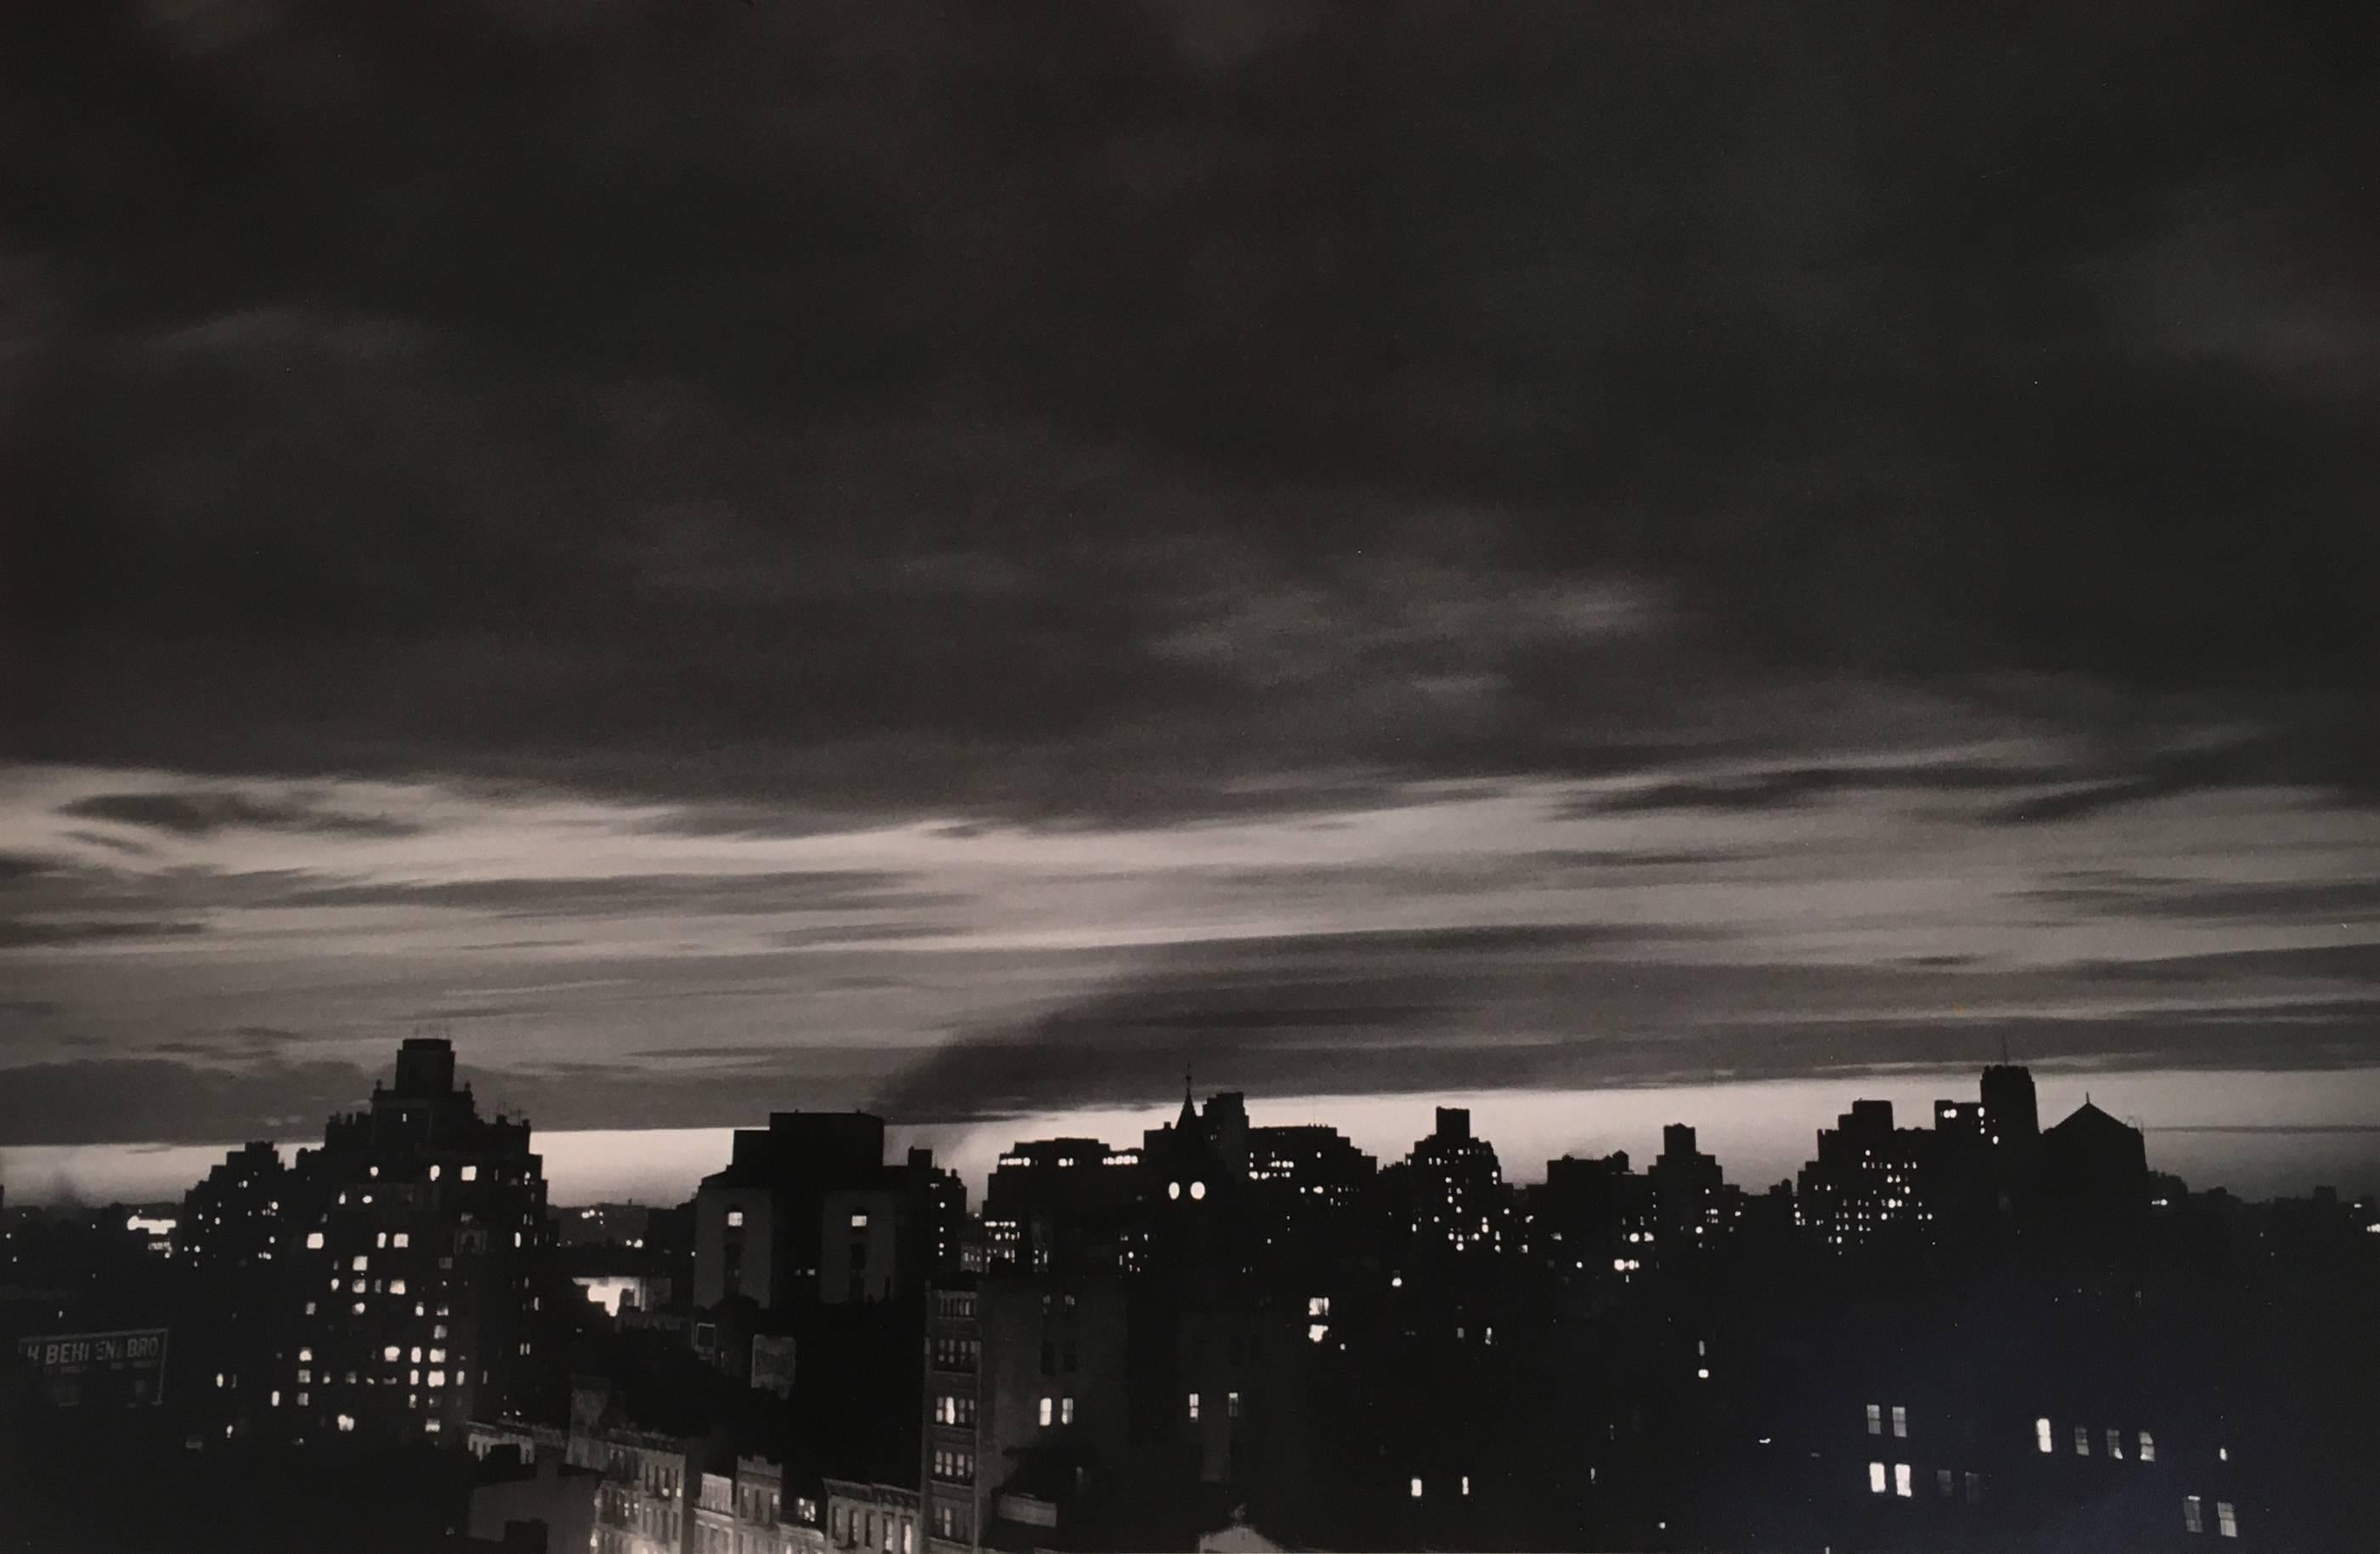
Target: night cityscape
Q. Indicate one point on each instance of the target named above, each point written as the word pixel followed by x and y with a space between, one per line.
pixel 1989 1331
pixel 1055 776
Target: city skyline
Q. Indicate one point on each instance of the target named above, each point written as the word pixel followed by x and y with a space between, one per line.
pixel 748 556
pixel 1760 1132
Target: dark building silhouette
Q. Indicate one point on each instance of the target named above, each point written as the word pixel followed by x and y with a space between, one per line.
pixel 1059 1204
pixel 1869 1185
pixel 2012 1115
pixel 2088 1178
pixel 1459 1204
pixel 809 1212
pixel 232 1321
pixel 230 1220
pixel 415 1250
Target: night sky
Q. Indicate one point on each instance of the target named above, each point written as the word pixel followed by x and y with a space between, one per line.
pixel 965 557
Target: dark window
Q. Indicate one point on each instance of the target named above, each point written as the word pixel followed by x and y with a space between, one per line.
pixel 1049 1359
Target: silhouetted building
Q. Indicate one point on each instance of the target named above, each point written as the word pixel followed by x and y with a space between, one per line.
pixel 234 1317
pixel 1868 1186
pixel 1594 1224
pixel 2088 1178
pixel 232 1218
pixel 809 1212
pixel 1058 1205
pixel 1459 1200
pixel 416 1248
pixel 1313 1209
pixel 2012 1114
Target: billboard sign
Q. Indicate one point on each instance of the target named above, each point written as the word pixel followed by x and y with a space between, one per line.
pixel 123 1369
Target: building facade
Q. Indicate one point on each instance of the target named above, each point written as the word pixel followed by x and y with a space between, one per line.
pixel 414 1258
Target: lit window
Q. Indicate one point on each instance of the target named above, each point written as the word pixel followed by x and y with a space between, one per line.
pixel 1316 1331
pixel 470 1173
pixel 313 1241
pixel 437 1378
pixel 1066 1411
pixel 1174 1189
pixel 389 1353
pixel 2193 1519
pixel 1876 1418
pixel 2041 1433
pixel 1466 1483
pixel 1194 1405
pixel 306 1356
pixel 2116 1444
pixel 1413 1490
pixel 1318 1306
pixel 2148 1447
pixel 1198 1189
pixel 1942 1482
pixel 859 1220
pixel 1875 1478
pixel 2082 1441
pixel 396 1286
pixel 1900 1479
pixel 1900 1421
pixel 433 1173
pixel 362 1263
pixel 1049 1411
pixel 400 1239
pixel 2226 1521
pixel 1975 1488
pixel 346 1423
pixel 1231 1405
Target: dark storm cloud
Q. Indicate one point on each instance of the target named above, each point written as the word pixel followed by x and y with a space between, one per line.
pixel 18 933
pixel 2350 963
pixel 1788 786
pixel 159 1101
pixel 2330 900
pixel 1081 411
pixel 810 890
pixel 205 813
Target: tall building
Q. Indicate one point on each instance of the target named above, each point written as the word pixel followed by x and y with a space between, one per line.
pixel 2088 1177
pixel 232 1319
pixel 1059 1204
pixel 2012 1114
pixel 230 1220
pixel 1869 1184
pixel 952 1497
pixel 1312 1199
pixel 1194 1222
pixel 1460 1202
pixel 808 1211
pixel 415 1252
pixel 1690 1192
pixel 1595 1223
